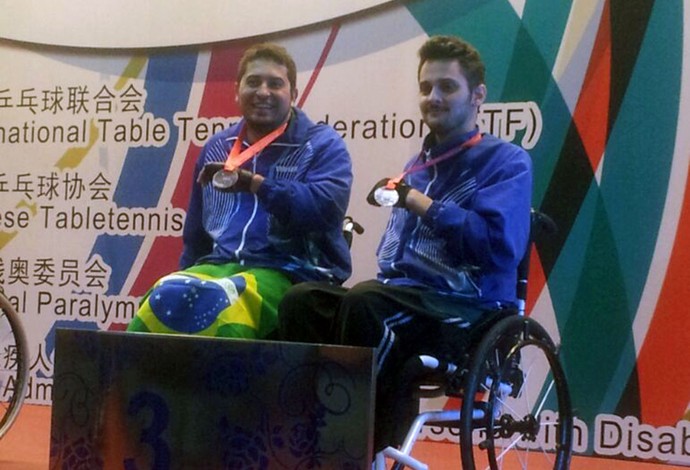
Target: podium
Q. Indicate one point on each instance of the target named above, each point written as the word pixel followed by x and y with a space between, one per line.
pixel 145 401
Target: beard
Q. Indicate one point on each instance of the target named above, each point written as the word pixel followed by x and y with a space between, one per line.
pixel 449 120
pixel 262 124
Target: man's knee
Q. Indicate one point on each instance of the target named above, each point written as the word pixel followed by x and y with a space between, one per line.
pixel 291 308
pixel 295 297
pixel 305 297
pixel 363 303
pixel 361 316
pixel 307 311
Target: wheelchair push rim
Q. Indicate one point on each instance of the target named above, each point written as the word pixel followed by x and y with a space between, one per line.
pixel 14 365
pixel 517 391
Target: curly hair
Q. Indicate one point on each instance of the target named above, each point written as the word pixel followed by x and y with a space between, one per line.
pixel 454 48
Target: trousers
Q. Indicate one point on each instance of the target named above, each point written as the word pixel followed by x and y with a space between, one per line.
pixel 400 323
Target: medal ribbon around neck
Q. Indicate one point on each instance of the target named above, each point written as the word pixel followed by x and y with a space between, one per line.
pixel 474 140
pixel 237 156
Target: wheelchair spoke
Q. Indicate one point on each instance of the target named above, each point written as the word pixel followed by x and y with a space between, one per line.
pixel 537 412
pixel 521 425
pixel 507 449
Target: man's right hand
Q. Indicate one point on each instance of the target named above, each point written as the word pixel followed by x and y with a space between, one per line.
pixel 401 188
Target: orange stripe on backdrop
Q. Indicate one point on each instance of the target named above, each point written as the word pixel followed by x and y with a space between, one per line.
pixel 321 62
pixel 591 119
pixel 218 100
pixel 536 281
pixel 663 364
pixel 592 112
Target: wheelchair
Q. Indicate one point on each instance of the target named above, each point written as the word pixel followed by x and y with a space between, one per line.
pixel 14 364
pixel 510 404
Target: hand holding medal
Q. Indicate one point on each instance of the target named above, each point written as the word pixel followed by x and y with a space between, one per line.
pixel 389 192
pixel 393 191
pixel 233 181
pixel 228 176
pixel 227 181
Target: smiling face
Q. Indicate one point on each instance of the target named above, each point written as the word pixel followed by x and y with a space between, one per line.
pixel 448 106
pixel 265 96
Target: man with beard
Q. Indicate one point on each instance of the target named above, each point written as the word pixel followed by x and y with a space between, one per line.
pixel 266 211
pixel 448 259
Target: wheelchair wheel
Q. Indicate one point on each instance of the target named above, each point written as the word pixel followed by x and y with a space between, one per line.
pixel 516 410
pixel 14 365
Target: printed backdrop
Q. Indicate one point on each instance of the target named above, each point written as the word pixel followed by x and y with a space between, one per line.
pixel 97 148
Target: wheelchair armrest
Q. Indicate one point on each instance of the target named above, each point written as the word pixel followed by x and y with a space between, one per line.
pixel 350 227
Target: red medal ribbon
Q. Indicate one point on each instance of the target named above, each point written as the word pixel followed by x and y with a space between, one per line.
pixel 237 156
pixel 474 140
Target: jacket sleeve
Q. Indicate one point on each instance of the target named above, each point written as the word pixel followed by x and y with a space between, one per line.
pixel 196 242
pixel 493 230
pixel 318 199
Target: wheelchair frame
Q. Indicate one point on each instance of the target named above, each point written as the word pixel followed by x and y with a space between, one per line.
pixel 14 364
pixel 505 419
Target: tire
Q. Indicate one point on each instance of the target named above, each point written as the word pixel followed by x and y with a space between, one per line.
pixel 14 365
pixel 531 420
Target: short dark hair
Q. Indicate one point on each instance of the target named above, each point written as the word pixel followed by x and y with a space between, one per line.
pixel 270 51
pixel 454 48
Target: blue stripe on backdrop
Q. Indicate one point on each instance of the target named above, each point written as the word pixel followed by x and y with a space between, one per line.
pixel 169 79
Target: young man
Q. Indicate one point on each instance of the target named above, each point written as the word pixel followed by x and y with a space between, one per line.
pixel 266 211
pixel 448 258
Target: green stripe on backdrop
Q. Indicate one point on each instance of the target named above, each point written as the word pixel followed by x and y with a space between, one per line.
pixel 598 323
pixel 519 53
pixel 490 25
pixel 598 266
pixel 639 153
pixel 634 185
pixel 511 46
pixel 530 78
pixel 535 50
